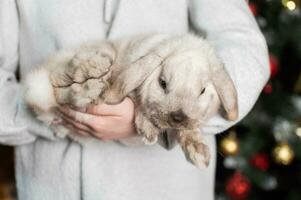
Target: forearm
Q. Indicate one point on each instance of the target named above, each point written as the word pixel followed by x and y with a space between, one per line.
pixel 230 26
pixel 17 126
pixel 11 133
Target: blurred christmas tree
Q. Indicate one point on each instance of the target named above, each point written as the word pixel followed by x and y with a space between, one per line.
pixel 260 158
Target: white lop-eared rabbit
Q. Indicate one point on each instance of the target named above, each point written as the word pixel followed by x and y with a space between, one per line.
pixel 176 82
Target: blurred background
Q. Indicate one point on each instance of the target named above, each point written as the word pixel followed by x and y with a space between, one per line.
pixel 260 158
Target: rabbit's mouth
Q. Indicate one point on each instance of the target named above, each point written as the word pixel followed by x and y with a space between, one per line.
pixel 162 120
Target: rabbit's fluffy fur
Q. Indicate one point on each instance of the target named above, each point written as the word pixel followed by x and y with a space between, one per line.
pixel 175 81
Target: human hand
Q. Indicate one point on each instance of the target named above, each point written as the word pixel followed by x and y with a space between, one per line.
pixel 103 121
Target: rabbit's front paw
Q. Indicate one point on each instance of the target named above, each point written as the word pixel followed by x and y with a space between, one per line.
pixel 146 129
pixel 150 139
pixel 196 151
pixel 198 154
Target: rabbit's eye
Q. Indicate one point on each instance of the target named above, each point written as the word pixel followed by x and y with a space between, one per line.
pixel 162 83
pixel 203 91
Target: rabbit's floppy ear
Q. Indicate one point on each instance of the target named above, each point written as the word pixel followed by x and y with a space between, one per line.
pixel 224 86
pixel 132 77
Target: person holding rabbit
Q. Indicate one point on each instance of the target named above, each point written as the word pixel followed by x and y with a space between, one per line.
pixel 48 167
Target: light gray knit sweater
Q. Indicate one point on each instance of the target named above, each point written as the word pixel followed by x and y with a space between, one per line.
pixel 48 168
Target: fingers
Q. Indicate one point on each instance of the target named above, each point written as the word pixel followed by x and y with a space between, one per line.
pixel 73 125
pixel 85 131
pixel 103 127
pixel 95 125
pixel 77 116
pixel 77 125
pixel 79 128
pixel 73 129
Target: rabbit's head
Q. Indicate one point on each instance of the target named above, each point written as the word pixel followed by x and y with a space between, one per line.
pixel 182 87
pixel 186 90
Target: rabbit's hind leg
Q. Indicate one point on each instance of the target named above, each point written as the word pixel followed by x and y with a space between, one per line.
pixel 89 63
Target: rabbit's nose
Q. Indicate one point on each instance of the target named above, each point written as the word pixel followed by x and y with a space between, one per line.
pixel 178 116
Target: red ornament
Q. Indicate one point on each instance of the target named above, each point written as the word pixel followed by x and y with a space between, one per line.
pixel 268 89
pixel 260 161
pixel 274 65
pixel 253 9
pixel 238 187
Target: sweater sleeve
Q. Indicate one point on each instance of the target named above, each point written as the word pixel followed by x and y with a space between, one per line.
pixel 17 125
pixel 232 29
